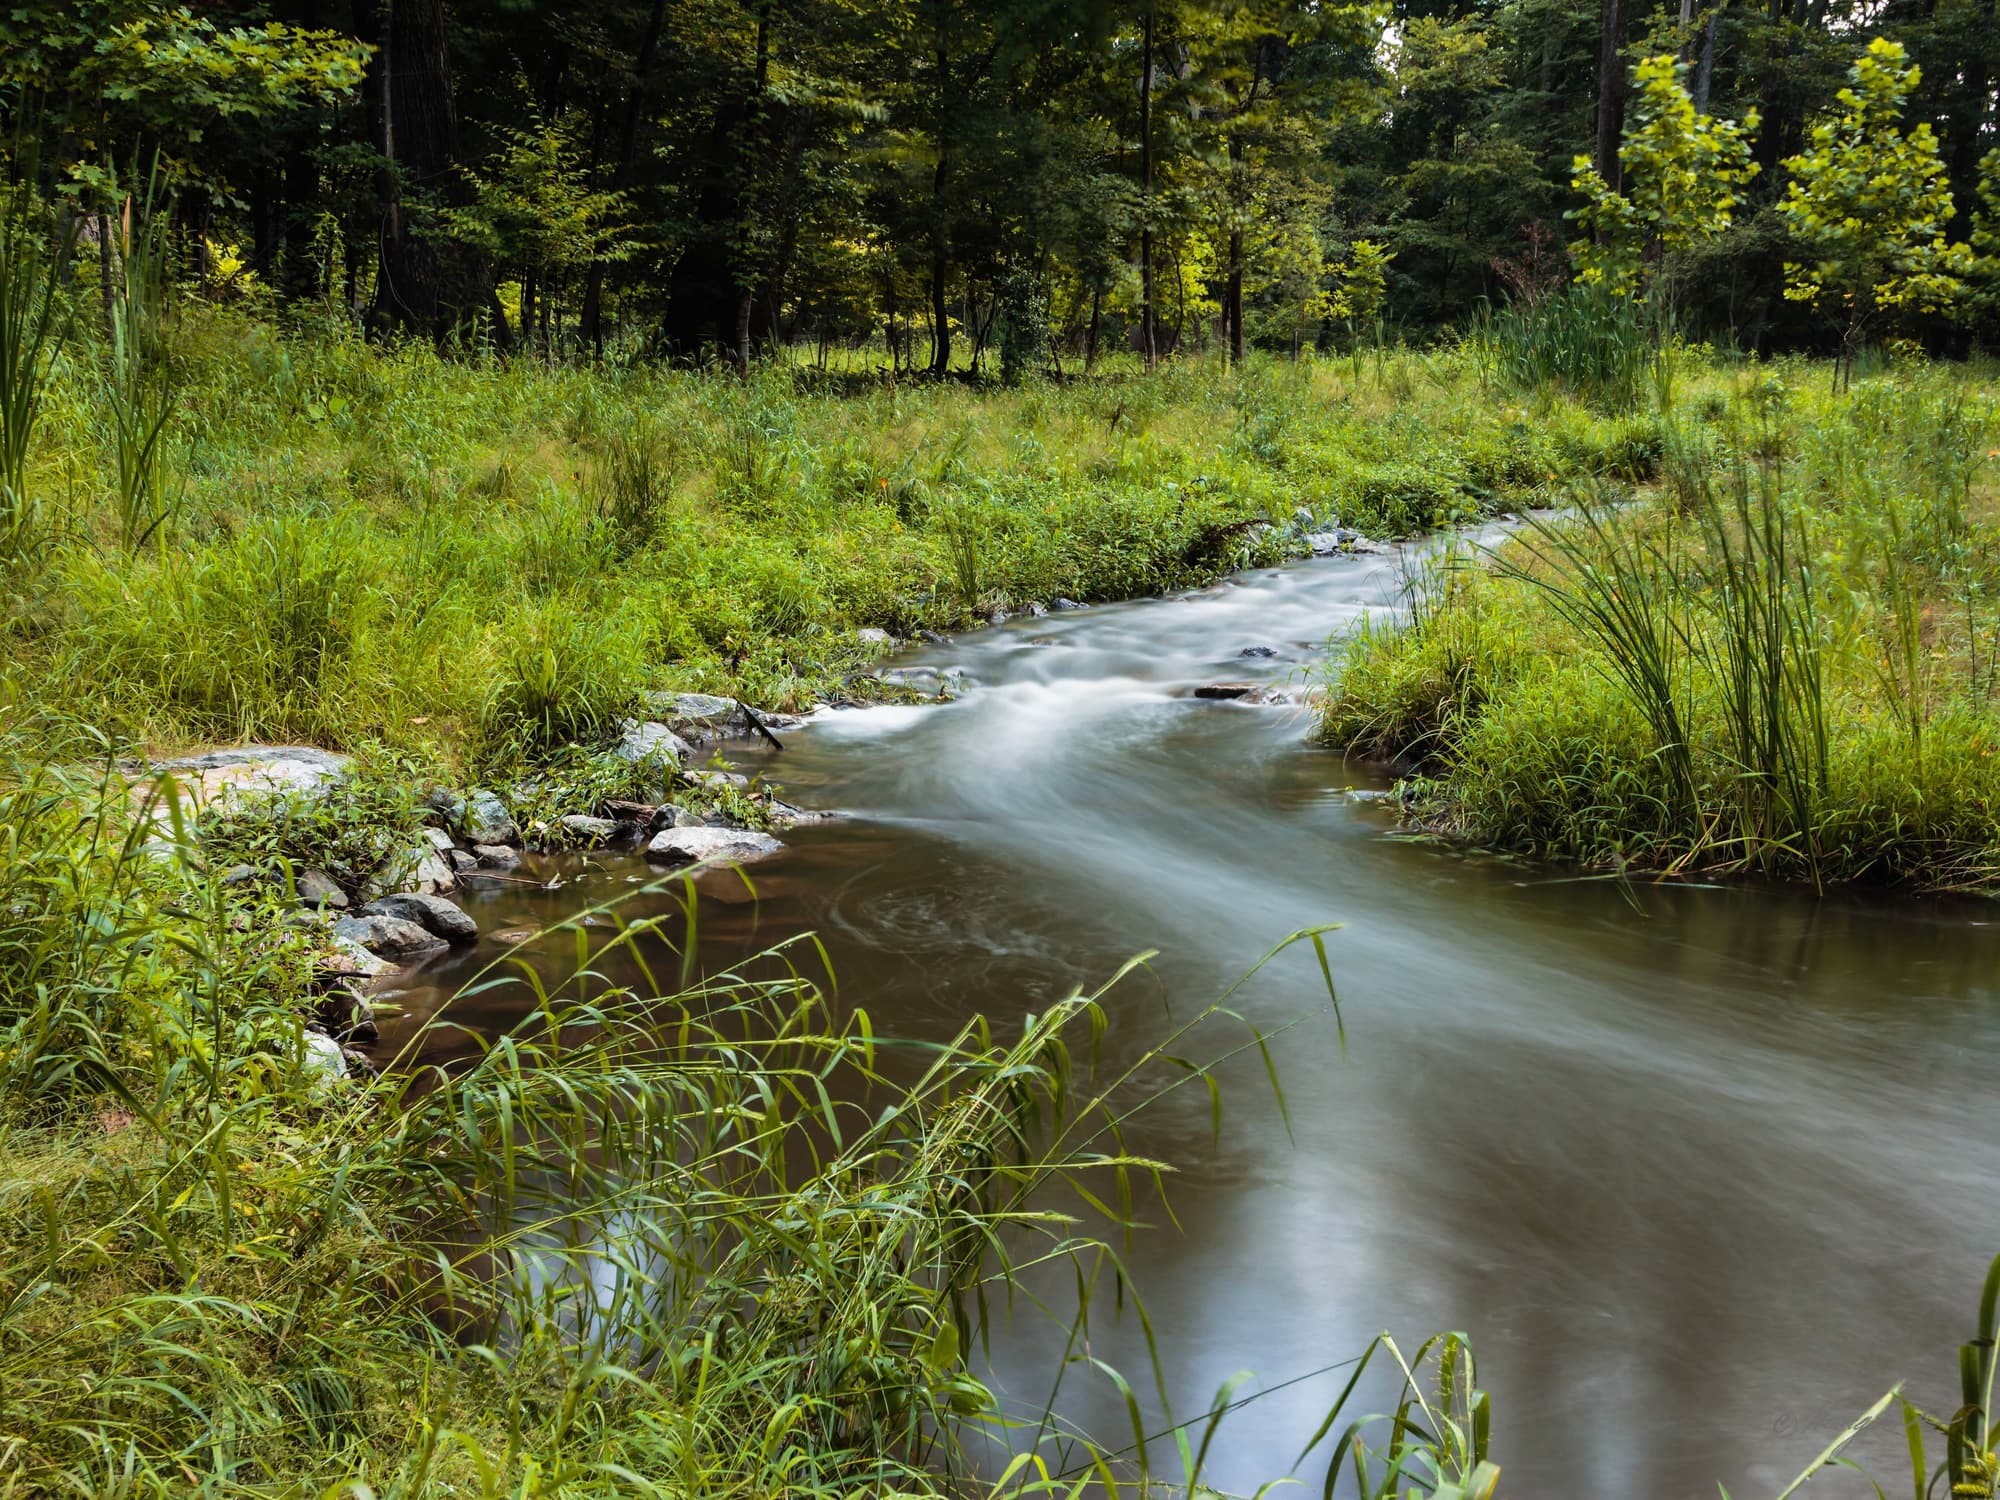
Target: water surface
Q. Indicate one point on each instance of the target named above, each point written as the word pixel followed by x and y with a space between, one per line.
pixel 1700 1171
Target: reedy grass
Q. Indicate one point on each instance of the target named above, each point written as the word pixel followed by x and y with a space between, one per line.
pixel 689 1235
pixel 1746 669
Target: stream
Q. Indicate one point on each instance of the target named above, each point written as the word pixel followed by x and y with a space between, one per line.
pixel 1700 1171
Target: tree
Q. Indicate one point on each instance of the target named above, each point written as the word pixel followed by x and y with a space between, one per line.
pixel 1870 202
pixel 1682 171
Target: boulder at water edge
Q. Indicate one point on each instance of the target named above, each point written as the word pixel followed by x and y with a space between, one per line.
pixel 687 846
pixel 437 916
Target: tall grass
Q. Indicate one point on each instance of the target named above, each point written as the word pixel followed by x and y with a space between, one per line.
pixel 33 329
pixel 683 1235
pixel 141 387
pixel 1583 342
pixel 1747 669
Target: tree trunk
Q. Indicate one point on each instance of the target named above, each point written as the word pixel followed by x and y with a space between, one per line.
pixel 1611 92
pixel 940 245
pixel 592 316
pixel 1232 294
pixel 426 284
pixel 744 300
pixel 1146 333
pixel 1090 335
pixel 1704 75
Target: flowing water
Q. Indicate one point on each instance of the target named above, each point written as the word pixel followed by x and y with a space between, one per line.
pixel 1701 1171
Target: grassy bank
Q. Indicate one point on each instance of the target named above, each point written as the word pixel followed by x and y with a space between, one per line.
pixel 1780 658
pixel 454 557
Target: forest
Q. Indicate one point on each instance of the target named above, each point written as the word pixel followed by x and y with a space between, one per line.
pixel 960 186
pixel 972 748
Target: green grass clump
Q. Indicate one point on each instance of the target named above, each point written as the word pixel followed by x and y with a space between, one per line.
pixel 1780 662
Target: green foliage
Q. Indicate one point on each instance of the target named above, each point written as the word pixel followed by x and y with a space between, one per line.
pixel 564 678
pixel 1683 173
pixel 1758 669
pixel 1872 203
pixel 33 329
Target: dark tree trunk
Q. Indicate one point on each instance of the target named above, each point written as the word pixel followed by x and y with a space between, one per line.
pixel 426 284
pixel 940 238
pixel 592 316
pixel 1096 323
pixel 1610 91
pixel 1232 292
pixel 1704 75
pixel 1147 337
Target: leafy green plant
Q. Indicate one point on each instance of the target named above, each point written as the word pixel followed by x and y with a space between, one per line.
pixel 1873 203
pixel 562 678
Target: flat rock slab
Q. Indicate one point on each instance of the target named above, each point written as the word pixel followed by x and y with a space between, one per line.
pixel 692 846
pixel 250 772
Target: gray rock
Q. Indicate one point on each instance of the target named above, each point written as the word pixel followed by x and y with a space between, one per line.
pixel 704 710
pixel 588 829
pixel 252 772
pixel 1063 605
pixel 1224 690
pixel 998 617
pixel 461 861
pixel 317 888
pixel 923 679
pixel 1036 611
pixel 480 817
pixel 414 867
pixel 437 916
pixel 669 815
pixel 1257 651
pixel 322 1058
pixel 934 638
pixel 639 743
pixel 687 846
pixel 394 938
pixel 874 635
pixel 240 875
pixel 1324 543
pixel 496 856
pixel 439 840
pixel 345 956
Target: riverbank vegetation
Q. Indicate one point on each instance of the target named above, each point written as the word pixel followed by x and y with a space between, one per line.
pixel 1780 660
pixel 466 388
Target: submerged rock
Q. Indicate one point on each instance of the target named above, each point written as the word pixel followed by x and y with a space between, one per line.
pixel 686 846
pixel 437 916
pixel 1224 691
pixel 1259 651
pixel 1064 605
pixel 496 856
